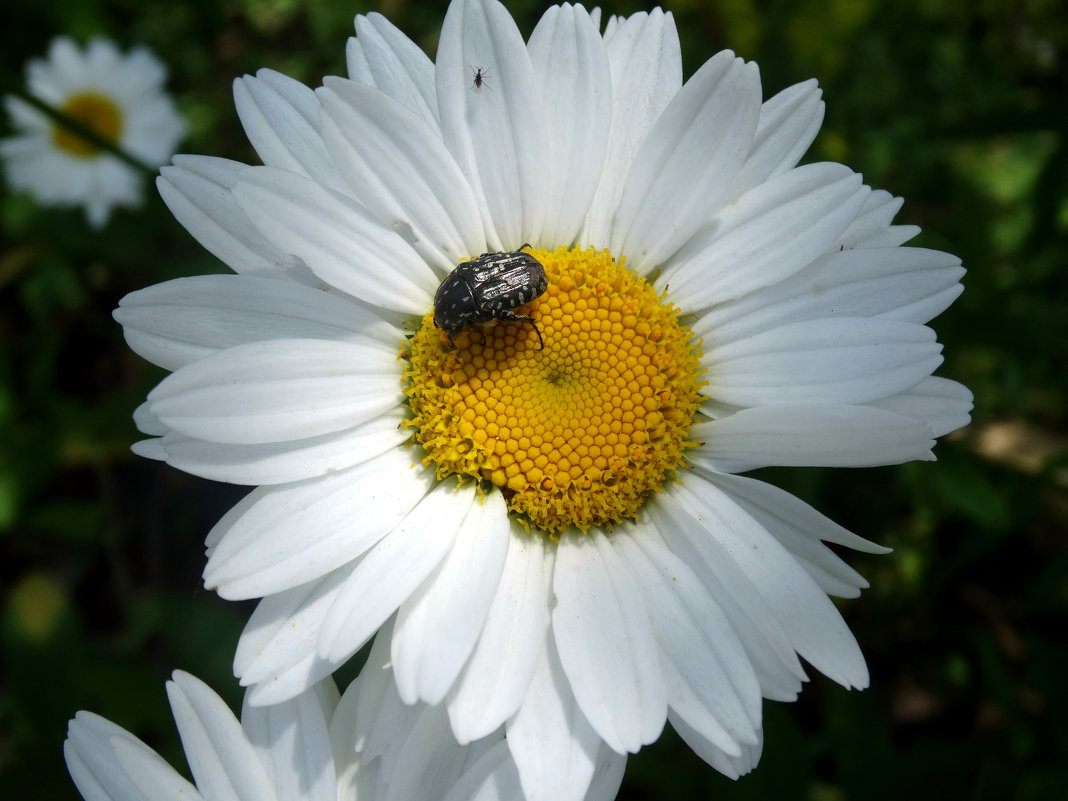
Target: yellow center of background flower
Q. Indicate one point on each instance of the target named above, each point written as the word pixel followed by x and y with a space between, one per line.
pixel 97 113
pixel 578 433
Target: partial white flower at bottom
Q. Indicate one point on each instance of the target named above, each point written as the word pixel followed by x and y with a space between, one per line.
pixel 366 746
pixel 548 509
pixel 120 98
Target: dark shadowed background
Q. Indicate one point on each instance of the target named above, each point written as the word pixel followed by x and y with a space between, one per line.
pixel 961 108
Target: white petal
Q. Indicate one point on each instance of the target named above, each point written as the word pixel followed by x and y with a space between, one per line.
pixel 605 638
pixel 754 622
pixel 150 449
pixel 220 756
pixel 766 502
pixel 198 191
pixel 428 760
pixel 814 625
pixel 571 65
pixel 338 239
pixel 492 777
pixel 872 229
pixel 282 462
pixel 498 135
pixel 789 122
pixel 394 567
pixel 107 763
pixel 910 284
pixel 729 765
pixel 688 162
pixel 294 533
pixel 608 774
pixel 438 626
pixel 148 423
pixel 801 530
pixel 766 236
pixel 292 742
pixel 710 681
pixel 276 652
pixel 380 55
pixel 646 62
pixel 180 321
pixel 495 680
pixel 942 404
pixel 293 680
pixel 383 720
pixel 280 390
pixel 793 435
pixel 281 119
pixel 398 166
pixel 844 360
pixel 553 744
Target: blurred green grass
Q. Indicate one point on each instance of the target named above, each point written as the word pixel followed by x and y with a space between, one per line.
pixel 960 108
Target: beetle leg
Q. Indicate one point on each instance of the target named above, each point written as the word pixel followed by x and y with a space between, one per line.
pixel 507 314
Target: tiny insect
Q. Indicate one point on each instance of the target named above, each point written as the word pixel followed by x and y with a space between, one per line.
pixel 488 288
pixel 479 80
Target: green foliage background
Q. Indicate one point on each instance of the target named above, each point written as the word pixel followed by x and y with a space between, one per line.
pixel 961 108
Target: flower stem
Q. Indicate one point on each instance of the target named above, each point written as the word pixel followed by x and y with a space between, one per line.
pixel 84 131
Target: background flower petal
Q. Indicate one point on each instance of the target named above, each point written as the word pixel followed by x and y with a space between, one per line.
pixel 108 763
pixel 220 756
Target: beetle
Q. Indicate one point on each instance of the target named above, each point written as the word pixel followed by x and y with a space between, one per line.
pixel 488 288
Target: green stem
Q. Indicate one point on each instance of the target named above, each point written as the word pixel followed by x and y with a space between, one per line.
pixel 85 132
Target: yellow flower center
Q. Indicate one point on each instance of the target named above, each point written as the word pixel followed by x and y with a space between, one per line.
pixel 97 113
pixel 578 433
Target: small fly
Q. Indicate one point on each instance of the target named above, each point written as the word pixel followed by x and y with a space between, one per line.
pixel 479 80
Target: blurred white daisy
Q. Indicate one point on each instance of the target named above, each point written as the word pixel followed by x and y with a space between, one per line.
pixel 365 745
pixel 561 534
pixel 118 97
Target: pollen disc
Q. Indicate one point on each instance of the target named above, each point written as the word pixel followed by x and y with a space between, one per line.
pixel 97 113
pixel 579 433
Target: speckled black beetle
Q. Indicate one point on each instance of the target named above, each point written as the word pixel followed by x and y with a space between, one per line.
pixel 488 288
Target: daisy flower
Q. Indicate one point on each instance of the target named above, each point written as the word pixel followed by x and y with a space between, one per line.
pixel 558 537
pixel 118 97
pixel 365 745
